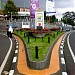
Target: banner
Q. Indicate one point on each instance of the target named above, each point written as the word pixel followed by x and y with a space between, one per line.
pixel 34 5
pixel 50 7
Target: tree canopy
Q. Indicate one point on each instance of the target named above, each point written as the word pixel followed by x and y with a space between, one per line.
pixel 10 7
pixel 68 18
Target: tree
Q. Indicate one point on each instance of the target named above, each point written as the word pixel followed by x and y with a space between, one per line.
pixel 64 20
pixel 52 19
pixel 68 21
pixel 10 7
pixel 71 22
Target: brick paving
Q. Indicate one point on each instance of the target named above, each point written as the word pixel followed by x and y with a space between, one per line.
pixel 54 61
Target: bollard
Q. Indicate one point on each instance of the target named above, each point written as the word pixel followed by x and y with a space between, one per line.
pixel 48 39
pixel 42 38
pixel 54 35
pixel 20 31
pixel 17 31
pixel 36 52
pixel 57 33
pixel 24 34
pixel 35 38
pixel 28 38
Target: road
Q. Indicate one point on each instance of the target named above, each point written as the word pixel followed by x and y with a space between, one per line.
pixel 4 47
pixel 6 53
pixel 69 53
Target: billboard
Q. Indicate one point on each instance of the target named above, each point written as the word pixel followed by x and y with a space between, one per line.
pixel 25 24
pixel 50 7
pixel 39 20
pixel 34 5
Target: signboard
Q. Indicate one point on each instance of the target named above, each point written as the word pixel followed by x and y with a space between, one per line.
pixel 39 20
pixel 25 24
pixel 34 5
pixel 50 7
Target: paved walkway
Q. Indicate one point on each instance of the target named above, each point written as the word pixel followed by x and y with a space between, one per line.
pixel 54 62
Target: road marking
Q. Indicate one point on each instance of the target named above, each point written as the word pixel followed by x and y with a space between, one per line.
pixel 16 46
pixel 14 59
pixel 62 60
pixel 61 51
pixel 72 54
pixel 16 51
pixel 62 43
pixel 6 57
pixel 11 72
pixel 17 43
pixel 61 47
pixel 64 73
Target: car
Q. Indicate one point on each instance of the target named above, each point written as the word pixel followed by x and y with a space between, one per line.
pixel 67 29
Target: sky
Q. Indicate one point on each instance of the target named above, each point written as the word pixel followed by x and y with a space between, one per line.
pixel 61 6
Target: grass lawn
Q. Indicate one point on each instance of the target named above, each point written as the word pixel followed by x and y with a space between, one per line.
pixel 42 45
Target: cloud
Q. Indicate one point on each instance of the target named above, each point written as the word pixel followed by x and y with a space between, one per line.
pixel 59 11
pixel 64 3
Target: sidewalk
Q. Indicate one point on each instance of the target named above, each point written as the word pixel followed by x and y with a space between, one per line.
pixel 54 61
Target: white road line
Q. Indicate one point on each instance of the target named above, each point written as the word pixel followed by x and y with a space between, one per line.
pixel 72 54
pixel 16 51
pixel 11 72
pixel 6 57
pixel 62 43
pixel 61 51
pixel 62 60
pixel 16 46
pixel 64 73
pixel 14 59
pixel 17 43
pixel 61 47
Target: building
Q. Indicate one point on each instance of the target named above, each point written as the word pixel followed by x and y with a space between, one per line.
pixel 22 9
pixel 23 12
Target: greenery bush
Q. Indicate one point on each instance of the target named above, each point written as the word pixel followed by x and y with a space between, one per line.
pixel 43 45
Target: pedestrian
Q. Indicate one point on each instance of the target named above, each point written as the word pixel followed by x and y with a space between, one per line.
pixel 10 31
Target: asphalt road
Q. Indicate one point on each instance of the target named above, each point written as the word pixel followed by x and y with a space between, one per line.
pixel 4 47
pixel 5 44
pixel 69 52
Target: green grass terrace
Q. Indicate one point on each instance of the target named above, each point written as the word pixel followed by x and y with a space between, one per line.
pixel 42 42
